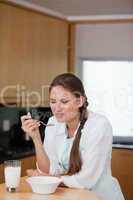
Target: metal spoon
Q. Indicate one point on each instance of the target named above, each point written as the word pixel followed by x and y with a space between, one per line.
pixel 41 122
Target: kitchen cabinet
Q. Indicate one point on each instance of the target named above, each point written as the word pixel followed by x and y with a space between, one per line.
pixel 122 169
pixel 28 163
pixel 1 173
pixel 33 50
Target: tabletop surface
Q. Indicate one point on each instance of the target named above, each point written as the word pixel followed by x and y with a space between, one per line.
pixel 62 193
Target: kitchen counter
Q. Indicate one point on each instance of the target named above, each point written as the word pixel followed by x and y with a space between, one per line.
pixel 18 154
pixel 123 142
pixel 122 146
pixel 24 192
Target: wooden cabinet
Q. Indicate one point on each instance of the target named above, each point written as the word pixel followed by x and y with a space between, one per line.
pixel 33 50
pixel 26 163
pixel 122 169
pixel 1 173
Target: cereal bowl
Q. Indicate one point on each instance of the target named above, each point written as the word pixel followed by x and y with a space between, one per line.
pixel 43 184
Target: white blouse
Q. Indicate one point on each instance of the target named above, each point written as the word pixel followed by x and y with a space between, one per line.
pixel 95 148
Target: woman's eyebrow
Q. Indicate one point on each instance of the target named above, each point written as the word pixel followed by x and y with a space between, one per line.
pixel 51 99
pixel 63 98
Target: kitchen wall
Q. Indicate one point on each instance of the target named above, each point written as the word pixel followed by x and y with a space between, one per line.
pixel 104 41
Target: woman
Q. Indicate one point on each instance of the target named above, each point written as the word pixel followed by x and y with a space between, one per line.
pixel 78 144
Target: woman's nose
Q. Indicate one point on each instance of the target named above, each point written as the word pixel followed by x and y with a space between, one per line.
pixel 58 107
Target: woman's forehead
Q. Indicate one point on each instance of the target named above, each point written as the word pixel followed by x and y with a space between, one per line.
pixel 59 91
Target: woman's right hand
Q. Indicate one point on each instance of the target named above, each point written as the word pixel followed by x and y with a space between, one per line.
pixel 30 126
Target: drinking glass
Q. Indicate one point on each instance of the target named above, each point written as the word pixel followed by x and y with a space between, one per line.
pixel 12 173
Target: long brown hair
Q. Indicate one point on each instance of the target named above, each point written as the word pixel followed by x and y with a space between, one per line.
pixel 73 84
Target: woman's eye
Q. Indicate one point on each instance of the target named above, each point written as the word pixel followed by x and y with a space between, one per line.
pixel 65 101
pixel 52 102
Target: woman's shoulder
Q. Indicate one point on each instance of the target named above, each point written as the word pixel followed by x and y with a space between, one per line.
pixel 97 124
pixel 96 128
pixel 96 118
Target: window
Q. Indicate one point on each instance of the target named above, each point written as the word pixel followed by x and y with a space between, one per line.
pixel 109 88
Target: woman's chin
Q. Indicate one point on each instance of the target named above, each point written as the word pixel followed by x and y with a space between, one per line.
pixel 60 119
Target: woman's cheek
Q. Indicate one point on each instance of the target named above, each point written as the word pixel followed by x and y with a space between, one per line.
pixel 52 108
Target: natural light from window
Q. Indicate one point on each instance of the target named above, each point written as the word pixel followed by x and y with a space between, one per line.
pixel 109 88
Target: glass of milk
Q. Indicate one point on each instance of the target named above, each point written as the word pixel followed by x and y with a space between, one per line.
pixel 12 172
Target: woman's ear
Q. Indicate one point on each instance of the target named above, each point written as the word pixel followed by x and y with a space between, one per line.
pixel 80 101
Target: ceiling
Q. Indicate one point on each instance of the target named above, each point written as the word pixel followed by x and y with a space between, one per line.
pixel 81 9
pixel 87 7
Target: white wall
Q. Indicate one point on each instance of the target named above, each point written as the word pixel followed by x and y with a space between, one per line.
pixel 103 41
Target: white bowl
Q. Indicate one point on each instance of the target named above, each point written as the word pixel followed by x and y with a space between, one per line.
pixel 43 184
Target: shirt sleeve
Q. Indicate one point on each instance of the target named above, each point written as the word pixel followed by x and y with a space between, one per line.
pixel 96 156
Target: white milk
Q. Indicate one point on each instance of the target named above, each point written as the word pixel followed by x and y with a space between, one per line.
pixel 12 176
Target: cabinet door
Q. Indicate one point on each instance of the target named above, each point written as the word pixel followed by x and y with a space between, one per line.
pixel 33 50
pixel 27 163
pixel 1 173
pixel 122 169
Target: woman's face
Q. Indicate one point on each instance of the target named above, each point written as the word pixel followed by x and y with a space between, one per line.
pixel 64 105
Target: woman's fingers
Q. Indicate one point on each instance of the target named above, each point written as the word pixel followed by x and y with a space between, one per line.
pixel 33 172
pixel 32 127
pixel 25 117
pixel 29 124
pixel 29 172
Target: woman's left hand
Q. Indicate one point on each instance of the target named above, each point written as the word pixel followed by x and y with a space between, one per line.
pixel 35 172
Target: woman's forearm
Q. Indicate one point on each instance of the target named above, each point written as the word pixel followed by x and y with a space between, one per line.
pixel 41 156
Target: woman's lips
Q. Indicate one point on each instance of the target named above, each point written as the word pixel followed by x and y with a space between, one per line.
pixel 59 115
